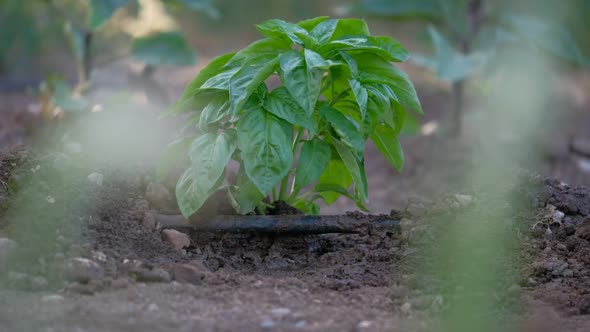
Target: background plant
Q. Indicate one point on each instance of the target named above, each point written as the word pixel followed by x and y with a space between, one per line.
pixel 82 23
pixel 339 89
pixel 469 35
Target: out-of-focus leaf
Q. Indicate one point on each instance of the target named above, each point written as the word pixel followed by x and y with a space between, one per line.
pixel 76 41
pixel 64 98
pixel 163 48
pixel 102 10
pixel 205 6
pixel 174 155
pixel 401 8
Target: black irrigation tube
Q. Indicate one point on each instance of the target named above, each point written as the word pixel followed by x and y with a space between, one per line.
pixel 286 224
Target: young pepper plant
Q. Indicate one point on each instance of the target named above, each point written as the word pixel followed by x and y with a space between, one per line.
pixel 304 140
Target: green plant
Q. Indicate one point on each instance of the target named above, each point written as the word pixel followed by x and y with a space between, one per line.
pixel 468 35
pixel 158 48
pixel 339 89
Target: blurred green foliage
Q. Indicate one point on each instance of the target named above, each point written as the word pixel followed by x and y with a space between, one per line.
pixel 466 34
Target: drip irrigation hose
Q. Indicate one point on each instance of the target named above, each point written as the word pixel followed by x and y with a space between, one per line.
pixel 285 224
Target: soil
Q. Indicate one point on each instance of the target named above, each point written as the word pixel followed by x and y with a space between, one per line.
pixel 90 255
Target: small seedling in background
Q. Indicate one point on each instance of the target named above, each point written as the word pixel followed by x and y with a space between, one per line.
pixel 159 48
pixel 468 35
pixel 304 140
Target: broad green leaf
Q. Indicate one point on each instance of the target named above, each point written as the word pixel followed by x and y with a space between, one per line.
pixel 209 155
pixel 448 63
pixel 348 131
pixel 173 156
pixel 280 103
pixel 323 32
pixel 163 48
pixel 220 81
pixel 423 8
pixel 245 194
pixel 396 79
pixel 334 188
pixel 315 61
pixel 263 47
pixel 102 10
pixel 386 141
pixel 302 82
pixel 249 78
pixel 352 164
pixel 386 47
pixel 280 29
pixel 313 160
pixel 335 175
pixel 360 94
pixel 265 142
pixel 213 68
pixel 311 23
pixel 216 110
pixel 348 27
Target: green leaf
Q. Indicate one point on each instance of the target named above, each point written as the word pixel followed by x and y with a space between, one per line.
pixel 280 29
pixel 209 155
pixel 348 27
pixel 387 73
pixel 335 175
pixel 334 188
pixel 245 194
pixel 102 10
pixel 386 47
pixel 448 63
pixel 216 110
pixel 311 23
pixel 352 165
pixel 268 46
pixel 360 94
pixel 323 32
pixel 302 82
pixel 213 68
pixel 280 103
pixel 386 141
pixel 313 160
pixel 249 78
pixel 220 81
pixel 348 131
pixel 265 142
pixel 163 48
pixel 172 156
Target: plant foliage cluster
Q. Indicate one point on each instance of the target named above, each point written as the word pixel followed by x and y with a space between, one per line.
pixel 304 140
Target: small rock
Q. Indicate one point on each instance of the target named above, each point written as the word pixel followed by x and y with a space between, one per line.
pixel 568 273
pixel 96 178
pixel 558 216
pixel 83 270
pixel 267 324
pixel 364 324
pixel 463 200
pixel 532 282
pixel 280 312
pixel 301 324
pixel 52 298
pixel 583 164
pixel 175 238
pixel 120 283
pixel 153 307
pixel 406 308
pixel 155 275
pixel 190 273
pixel 583 232
pixel 99 256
